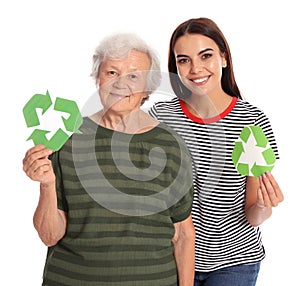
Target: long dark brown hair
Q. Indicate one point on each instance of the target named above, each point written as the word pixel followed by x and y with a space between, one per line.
pixel 208 28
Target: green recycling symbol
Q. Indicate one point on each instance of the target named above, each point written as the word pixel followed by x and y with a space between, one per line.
pixel 252 154
pixel 44 102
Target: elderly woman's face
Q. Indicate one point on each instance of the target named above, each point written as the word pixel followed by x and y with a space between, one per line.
pixel 123 82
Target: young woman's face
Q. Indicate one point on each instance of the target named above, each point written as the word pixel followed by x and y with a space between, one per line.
pixel 199 63
pixel 123 82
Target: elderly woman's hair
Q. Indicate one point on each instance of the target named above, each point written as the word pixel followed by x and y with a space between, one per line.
pixel 117 47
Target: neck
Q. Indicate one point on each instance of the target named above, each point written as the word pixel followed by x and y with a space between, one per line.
pixel 134 122
pixel 208 106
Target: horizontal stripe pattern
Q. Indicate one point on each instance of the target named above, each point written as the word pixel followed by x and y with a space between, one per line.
pixel 223 235
pixel 103 246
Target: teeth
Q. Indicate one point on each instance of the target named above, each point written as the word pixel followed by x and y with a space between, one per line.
pixel 199 80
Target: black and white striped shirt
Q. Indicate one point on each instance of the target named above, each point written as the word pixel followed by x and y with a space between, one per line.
pixel 223 235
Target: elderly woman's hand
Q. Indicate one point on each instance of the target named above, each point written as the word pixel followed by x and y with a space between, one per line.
pixel 37 166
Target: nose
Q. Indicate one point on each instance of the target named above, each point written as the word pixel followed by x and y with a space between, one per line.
pixel 196 66
pixel 120 82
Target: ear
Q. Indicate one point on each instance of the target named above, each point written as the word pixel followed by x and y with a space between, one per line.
pixel 224 63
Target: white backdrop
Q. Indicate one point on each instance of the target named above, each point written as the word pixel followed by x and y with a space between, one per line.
pixel 49 44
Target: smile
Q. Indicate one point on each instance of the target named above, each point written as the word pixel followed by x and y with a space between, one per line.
pixel 200 80
pixel 118 96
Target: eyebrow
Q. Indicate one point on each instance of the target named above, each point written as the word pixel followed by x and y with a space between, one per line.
pixel 201 52
pixel 112 67
pixel 117 68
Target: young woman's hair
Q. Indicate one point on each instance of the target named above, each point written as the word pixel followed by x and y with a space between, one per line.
pixel 118 46
pixel 208 28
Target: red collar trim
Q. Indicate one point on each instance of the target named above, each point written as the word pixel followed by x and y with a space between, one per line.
pixel 207 120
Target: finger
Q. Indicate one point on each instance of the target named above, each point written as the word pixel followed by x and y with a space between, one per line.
pixel 260 200
pixel 37 149
pixel 39 170
pixel 41 163
pixel 270 191
pixel 33 169
pixel 31 166
pixel 276 187
pixel 35 153
pixel 42 170
pixel 34 149
pixel 264 192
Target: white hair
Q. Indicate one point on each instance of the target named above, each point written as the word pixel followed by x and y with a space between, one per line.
pixel 118 46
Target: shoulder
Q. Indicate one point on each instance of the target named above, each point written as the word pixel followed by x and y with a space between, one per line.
pixel 249 114
pixel 243 105
pixel 171 138
pixel 88 125
pixel 167 104
pixel 244 109
pixel 162 110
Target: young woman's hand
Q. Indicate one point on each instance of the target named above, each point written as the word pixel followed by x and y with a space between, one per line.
pixel 269 192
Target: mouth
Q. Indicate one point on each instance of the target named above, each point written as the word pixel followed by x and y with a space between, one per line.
pixel 200 81
pixel 118 96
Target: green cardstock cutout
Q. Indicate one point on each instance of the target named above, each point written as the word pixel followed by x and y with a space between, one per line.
pixel 245 156
pixel 71 124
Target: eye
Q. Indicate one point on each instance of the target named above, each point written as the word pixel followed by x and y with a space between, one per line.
pixel 132 76
pixel 206 56
pixel 182 61
pixel 112 73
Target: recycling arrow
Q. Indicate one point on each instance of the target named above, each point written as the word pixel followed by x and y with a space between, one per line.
pixel 75 120
pixel 261 141
pixel 38 136
pixel 237 152
pixel 242 168
pixel 71 124
pixel 258 170
pixel 29 110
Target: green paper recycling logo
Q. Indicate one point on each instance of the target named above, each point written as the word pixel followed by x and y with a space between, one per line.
pixel 70 124
pixel 252 154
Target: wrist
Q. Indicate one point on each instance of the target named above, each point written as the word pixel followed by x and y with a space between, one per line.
pixel 47 185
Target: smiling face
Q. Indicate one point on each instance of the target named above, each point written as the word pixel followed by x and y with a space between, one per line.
pixel 123 82
pixel 199 63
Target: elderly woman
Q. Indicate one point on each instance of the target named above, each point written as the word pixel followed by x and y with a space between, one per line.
pixel 115 200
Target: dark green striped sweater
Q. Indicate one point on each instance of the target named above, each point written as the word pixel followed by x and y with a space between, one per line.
pixel 122 194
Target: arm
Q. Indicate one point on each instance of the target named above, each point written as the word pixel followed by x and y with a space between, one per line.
pixel 49 221
pixel 262 194
pixel 184 250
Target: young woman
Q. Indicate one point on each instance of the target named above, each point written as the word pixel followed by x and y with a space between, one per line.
pixel 210 113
